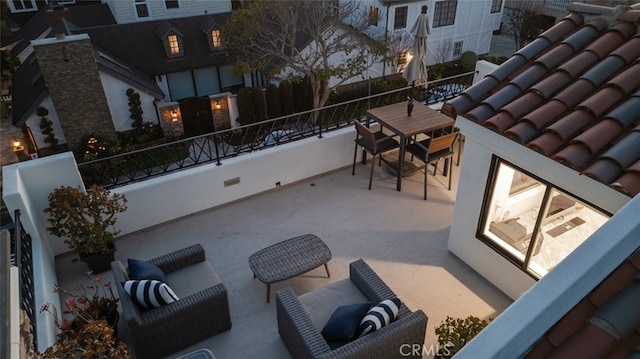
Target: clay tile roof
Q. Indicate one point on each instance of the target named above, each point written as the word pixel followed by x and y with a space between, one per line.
pixel 604 324
pixel 572 94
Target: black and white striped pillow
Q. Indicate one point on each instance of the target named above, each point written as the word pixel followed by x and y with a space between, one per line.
pixel 149 293
pixel 379 316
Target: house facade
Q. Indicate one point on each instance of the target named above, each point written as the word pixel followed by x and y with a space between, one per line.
pixel 551 147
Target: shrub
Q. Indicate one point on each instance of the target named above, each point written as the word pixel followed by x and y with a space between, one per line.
pixel 135 108
pixel 245 107
pixel 453 334
pixel 259 105
pixel 274 108
pixel 47 127
pixel 468 60
pixel 286 97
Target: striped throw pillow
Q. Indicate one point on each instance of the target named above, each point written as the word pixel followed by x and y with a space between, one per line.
pixel 149 293
pixel 379 316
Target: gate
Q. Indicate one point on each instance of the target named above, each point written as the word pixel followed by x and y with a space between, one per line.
pixel 196 116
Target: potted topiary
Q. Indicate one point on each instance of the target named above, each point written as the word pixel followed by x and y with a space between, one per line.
pixel 86 220
pixel 454 333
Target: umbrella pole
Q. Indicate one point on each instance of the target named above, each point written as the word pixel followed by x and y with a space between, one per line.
pixel 410 99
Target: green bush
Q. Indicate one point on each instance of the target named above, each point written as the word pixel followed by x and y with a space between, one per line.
pixel 273 101
pixel 135 108
pixel 468 60
pixel 46 126
pixel 286 97
pixel 245 106
pixel 259 105
pixel 455 333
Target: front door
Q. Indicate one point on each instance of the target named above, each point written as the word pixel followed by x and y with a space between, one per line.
pixel 196 116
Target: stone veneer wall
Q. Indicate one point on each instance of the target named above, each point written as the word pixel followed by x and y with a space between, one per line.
pixel 71 73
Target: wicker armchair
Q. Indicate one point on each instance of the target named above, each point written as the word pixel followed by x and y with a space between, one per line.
pixel 201 311
pixel 302 337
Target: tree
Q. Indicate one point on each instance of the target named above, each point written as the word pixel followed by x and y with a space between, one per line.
pixel 286 39
pixel 522 22
pixel 135 108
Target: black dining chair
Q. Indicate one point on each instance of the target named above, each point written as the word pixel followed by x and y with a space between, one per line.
pixel 375 143
pixel 432 150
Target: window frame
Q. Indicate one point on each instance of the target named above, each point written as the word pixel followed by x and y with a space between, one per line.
pixel 496 6
pixel 215 45
pixel 444 13
pixel 173 8
pixel 458 51
pixel 484 220
pixel 142 3
pixel 400 19
pixel 22 8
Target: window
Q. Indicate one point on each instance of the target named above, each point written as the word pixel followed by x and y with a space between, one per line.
pixel 22 5
pixel 457 48
pixel 400 19
pixel 373 15
pixel 496 6
pixel 445 13
pixel 174 45
pixel 216 40
pixel 535 225
pixel 142 10
pixel 236 5
pixel 171 4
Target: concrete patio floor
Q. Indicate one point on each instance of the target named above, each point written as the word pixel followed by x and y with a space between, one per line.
pixel 402 237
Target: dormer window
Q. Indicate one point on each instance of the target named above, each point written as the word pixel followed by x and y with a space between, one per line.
pixel 174 46
pixel 216 39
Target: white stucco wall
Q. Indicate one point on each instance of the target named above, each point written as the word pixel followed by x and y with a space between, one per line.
pixel 154 201
pixel 480 145
pixel 116 93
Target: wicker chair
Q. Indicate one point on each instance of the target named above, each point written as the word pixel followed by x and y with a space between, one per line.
pixel 300 329
pixel 201 311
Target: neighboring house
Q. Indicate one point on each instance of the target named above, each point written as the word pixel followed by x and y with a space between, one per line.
pixel 552 150
pixel 179 65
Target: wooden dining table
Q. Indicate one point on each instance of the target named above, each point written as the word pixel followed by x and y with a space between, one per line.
pixel 423 119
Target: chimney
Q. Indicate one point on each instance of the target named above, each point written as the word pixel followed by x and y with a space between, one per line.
pixel 57 13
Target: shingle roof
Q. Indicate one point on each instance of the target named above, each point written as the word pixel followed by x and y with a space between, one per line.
pixel 572 94
pixel 149 55
pixel 604 324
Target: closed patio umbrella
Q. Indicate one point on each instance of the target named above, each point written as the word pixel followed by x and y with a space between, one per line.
pixel 416 70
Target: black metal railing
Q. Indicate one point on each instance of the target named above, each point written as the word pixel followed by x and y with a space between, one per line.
pixel 22 257
pixel 155 161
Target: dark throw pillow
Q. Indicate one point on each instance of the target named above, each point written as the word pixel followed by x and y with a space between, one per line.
pixel 145 270
pixel 379 316
pixel 149 293
pixel 344 322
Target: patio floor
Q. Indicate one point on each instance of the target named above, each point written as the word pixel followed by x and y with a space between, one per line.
pixel 402 237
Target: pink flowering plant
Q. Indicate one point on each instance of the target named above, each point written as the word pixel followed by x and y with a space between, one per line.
pixel 88 311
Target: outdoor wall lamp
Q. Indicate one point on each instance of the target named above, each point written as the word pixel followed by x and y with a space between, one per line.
pixel 17 146
pixel 174 115
pixel 217 105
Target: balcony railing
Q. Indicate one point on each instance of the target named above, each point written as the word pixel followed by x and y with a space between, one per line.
pixel 560 5
pixel 215 147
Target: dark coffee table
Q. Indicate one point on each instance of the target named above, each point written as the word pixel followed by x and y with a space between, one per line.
pixel 288 259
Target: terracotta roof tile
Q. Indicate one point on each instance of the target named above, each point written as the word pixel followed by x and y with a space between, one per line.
pixel 523 104
pixel 579 63
pixel 571 323
pixel 616 282
pixel 546 114
pixel 635 258
pixel 552 84
pixel 562 28
pixel 629 51
pixel 590 342
pixel 570 125
pixel 530 76
pixel 572 94
pixel 500 121
pixel 541 350
pixel 579 39
pixel 534 48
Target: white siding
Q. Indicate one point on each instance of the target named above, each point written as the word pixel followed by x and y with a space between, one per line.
pixel 124 10
pixel 116 92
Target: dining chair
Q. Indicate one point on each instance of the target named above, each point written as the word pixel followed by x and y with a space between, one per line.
pixel 431 150
pixel 375 143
